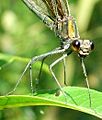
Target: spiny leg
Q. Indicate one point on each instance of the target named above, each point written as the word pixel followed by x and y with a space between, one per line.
pixel 64 67
pixel 86 79
pixel 19 80
pixel 51 66
pixel 32 61
pixel 39 74
pixel 31 79
pixel 41 57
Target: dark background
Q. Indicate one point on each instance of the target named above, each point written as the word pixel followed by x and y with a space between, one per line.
pixel 23 35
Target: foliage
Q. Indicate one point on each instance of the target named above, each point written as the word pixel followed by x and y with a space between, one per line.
pixel 73 100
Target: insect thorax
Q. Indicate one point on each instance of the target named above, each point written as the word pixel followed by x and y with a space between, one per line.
pixel 66 30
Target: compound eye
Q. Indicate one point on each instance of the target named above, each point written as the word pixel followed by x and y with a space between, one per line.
pixel 92 45
pixel 76 45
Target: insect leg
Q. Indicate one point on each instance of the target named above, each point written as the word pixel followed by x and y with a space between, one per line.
pixel 51 66
pixel 86 79
pixel 32 61
pixel 39 74
pixel 64 67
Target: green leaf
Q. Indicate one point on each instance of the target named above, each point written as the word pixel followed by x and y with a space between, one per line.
pixel 77 99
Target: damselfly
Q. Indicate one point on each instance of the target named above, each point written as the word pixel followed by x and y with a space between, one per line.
pixel 56 15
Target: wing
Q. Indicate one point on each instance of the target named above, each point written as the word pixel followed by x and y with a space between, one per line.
pixel 49 10
pixel 39 8
pixel 55 8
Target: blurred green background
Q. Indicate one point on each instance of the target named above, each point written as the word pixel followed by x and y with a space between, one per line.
pixel 23 35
